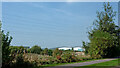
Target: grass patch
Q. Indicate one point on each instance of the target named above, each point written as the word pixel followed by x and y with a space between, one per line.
pixel 107 64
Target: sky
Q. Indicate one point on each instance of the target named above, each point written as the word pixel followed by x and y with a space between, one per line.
pixel 50 24
pixel 60 0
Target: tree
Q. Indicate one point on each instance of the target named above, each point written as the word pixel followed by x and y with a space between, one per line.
pixel 85 46
pixel 6 40
pixel 36 49
pixel 17 50
pixel 72 49
pixel 101 44
pixel 56 52
pixel 50 52
pixel 0 44
pixel 45 51
pixel 103 35
pixel 105 19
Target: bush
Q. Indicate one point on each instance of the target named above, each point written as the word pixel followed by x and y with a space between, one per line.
pixel 68 57
pixel 35 49
pixel 20 63
pixel 39 60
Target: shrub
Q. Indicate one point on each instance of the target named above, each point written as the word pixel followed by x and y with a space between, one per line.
pixel 67 57
pixel 36 49
pixel 20 63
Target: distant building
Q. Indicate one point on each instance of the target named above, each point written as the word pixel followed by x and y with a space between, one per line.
pixel 78 49
pixel 70 48
pixel 65 48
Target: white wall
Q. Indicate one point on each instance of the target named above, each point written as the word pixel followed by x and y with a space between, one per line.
pixel 70 48
pixel 65 48
pixel 76 48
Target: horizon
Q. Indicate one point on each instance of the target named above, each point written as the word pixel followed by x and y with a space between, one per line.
pixel 50 25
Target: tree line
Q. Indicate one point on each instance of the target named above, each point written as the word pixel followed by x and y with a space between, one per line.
pixel 35 49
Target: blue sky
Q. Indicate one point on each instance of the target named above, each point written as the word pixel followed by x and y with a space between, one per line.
pixel 60 0
pixel 50 24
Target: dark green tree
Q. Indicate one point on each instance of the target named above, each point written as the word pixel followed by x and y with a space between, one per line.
pixel 6 40
pixel 101 44
pixel 0 44
pixel 72 49
pixel 50 52
pixel 36 49
pixel 105 19
pixel 103 36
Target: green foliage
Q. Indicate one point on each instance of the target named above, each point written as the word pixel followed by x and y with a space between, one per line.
pixel 17 49
pixel 57 52
pixel 6 40
pixel 45 51
pixel 86 47
pixel 65 57
pixel 20 63
pixel 104 35
pixel 36 49
pixel 50 52
pixel 0 44
pixel 101 44
pixel 68 57
pixel 19 59
pixel 105 19
pixel 72 49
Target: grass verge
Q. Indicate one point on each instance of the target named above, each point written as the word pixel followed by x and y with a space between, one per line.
pixel 107 64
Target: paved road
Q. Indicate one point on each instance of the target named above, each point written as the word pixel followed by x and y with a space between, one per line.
pixel 81 64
